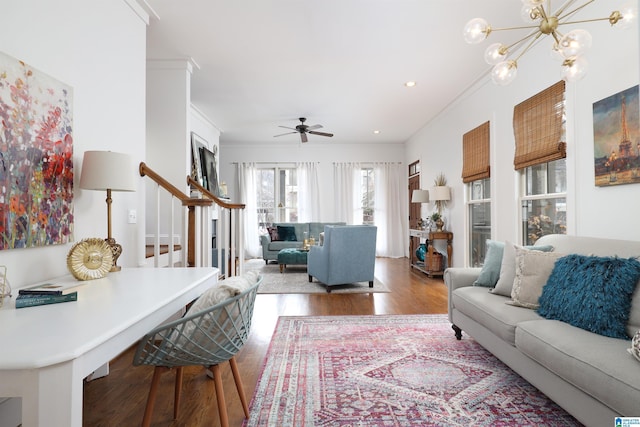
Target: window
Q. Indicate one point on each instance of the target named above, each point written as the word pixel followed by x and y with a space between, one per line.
pixel 544 200
pixel 279 205
pixel 368 195
pixel 479 205
pixel 476 175
pixel 539 127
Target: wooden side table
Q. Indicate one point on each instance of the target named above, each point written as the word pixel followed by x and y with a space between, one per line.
pixel 439 235
pixel 414 242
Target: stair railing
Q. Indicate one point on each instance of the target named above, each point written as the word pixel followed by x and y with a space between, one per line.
pixel 194 223
pixel 229 230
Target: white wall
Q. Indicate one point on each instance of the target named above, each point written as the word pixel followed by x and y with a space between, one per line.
pixel 325 153
pixel 98 48
pixel 592 211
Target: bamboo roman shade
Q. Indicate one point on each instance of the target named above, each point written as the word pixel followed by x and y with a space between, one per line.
pixel 538 125
pixel 475 154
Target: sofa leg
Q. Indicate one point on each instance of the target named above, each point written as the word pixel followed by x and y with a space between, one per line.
pixel 328 289
pixel 458 332
pixel 310 279
pixel 371 283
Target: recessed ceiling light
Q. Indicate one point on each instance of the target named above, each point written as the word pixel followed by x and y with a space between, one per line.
pixel 376 132
pixel 410 84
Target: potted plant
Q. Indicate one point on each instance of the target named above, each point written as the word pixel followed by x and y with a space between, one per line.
pixel 437 220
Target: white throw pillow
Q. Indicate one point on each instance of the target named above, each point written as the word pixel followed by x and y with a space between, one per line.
pixel 218 293
pixel 635 346
pixel 508 267
pixel 533 269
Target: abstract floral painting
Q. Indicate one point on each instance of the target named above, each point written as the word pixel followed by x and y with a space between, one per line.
pixel 36 157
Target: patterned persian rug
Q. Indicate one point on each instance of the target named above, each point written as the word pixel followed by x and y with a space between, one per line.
pixel 295 280
pixel 390 370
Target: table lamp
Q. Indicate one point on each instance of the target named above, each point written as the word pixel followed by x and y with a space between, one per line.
pixel 440 195
pixel 420 196
pixel 106 170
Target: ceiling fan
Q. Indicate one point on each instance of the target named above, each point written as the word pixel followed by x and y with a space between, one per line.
pixel 303 130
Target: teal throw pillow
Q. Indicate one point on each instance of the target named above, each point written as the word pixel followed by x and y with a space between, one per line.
pixel 492 262
pixel 287 233
pixel 591 293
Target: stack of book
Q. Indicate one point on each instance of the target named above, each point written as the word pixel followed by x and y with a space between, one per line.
pixel 47 293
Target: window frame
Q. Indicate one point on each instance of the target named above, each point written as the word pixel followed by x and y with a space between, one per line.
pixel 525 199
pixel 470 203
pixel 276 213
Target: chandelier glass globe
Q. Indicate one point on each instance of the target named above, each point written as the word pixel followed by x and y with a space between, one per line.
pixel 476 31
pixel 495 53
pixel 504 73
pixel 574 43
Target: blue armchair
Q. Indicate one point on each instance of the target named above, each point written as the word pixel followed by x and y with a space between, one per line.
pixel 348 255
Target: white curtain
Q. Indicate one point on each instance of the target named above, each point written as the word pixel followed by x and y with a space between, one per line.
pixel 308 192
pixel 348 192
pixel 391 211
pixel 247 185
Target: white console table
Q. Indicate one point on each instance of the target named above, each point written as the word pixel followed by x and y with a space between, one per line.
pixel 48 350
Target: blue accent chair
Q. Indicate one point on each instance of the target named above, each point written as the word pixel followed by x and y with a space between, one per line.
pixel 348 255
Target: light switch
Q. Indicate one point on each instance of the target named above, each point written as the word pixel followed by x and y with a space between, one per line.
pixel 132 218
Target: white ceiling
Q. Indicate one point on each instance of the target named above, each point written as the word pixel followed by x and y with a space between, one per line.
pixel 340 63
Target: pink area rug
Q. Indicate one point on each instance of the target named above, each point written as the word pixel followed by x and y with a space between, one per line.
pixel 390 370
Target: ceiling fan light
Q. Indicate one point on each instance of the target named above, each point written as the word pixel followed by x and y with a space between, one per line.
pixel 495 53
pixel 574 69
pixel 476 31
pixel 504 73
pixel 574 43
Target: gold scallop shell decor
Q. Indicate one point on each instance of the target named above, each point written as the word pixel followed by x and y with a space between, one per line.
pixel 90 259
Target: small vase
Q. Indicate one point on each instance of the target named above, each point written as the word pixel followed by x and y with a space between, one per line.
pixel 439 224
pixel 421 251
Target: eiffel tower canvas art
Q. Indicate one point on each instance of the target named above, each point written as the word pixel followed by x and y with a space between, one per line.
pixel 616 138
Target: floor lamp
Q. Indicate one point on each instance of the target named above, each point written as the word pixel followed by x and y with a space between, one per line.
pixel 106 170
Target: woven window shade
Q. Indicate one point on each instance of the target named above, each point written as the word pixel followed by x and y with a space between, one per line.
pixel 475 154
pixel 538 125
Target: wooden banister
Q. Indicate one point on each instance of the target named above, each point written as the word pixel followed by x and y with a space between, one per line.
pixel 199 211
pixel 175 191
pixel 218 201
pixel 190 202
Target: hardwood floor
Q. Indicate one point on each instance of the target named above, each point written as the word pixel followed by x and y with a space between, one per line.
pixel 119 399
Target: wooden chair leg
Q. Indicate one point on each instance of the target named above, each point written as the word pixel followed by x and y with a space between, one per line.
pixel 177 394
pixel 238 380
pixel 222 405
pixel 151 399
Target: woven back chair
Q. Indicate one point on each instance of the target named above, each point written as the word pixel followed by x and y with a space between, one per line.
pixel 205 338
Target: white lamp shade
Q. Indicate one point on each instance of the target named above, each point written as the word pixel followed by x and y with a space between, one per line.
pixel 440 193
pixel 106 170
pixel 420 196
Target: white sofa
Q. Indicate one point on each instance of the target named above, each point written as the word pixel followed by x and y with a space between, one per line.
pixel 593 377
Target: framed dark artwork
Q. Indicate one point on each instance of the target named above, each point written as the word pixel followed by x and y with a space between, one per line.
pixel 209 170
pixel 197 142
pixel 36 157
pixel 616 139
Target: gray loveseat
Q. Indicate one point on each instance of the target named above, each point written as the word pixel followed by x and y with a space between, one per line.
pixel 270 248
pixel 593 377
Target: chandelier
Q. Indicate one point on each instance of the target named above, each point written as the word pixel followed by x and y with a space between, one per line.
pixel 569 47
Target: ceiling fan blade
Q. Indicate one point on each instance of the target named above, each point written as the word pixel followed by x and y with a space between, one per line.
pixel 303 137
pixel 320 133
pixel 287 127
pixel 282 134
pixel 314 127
